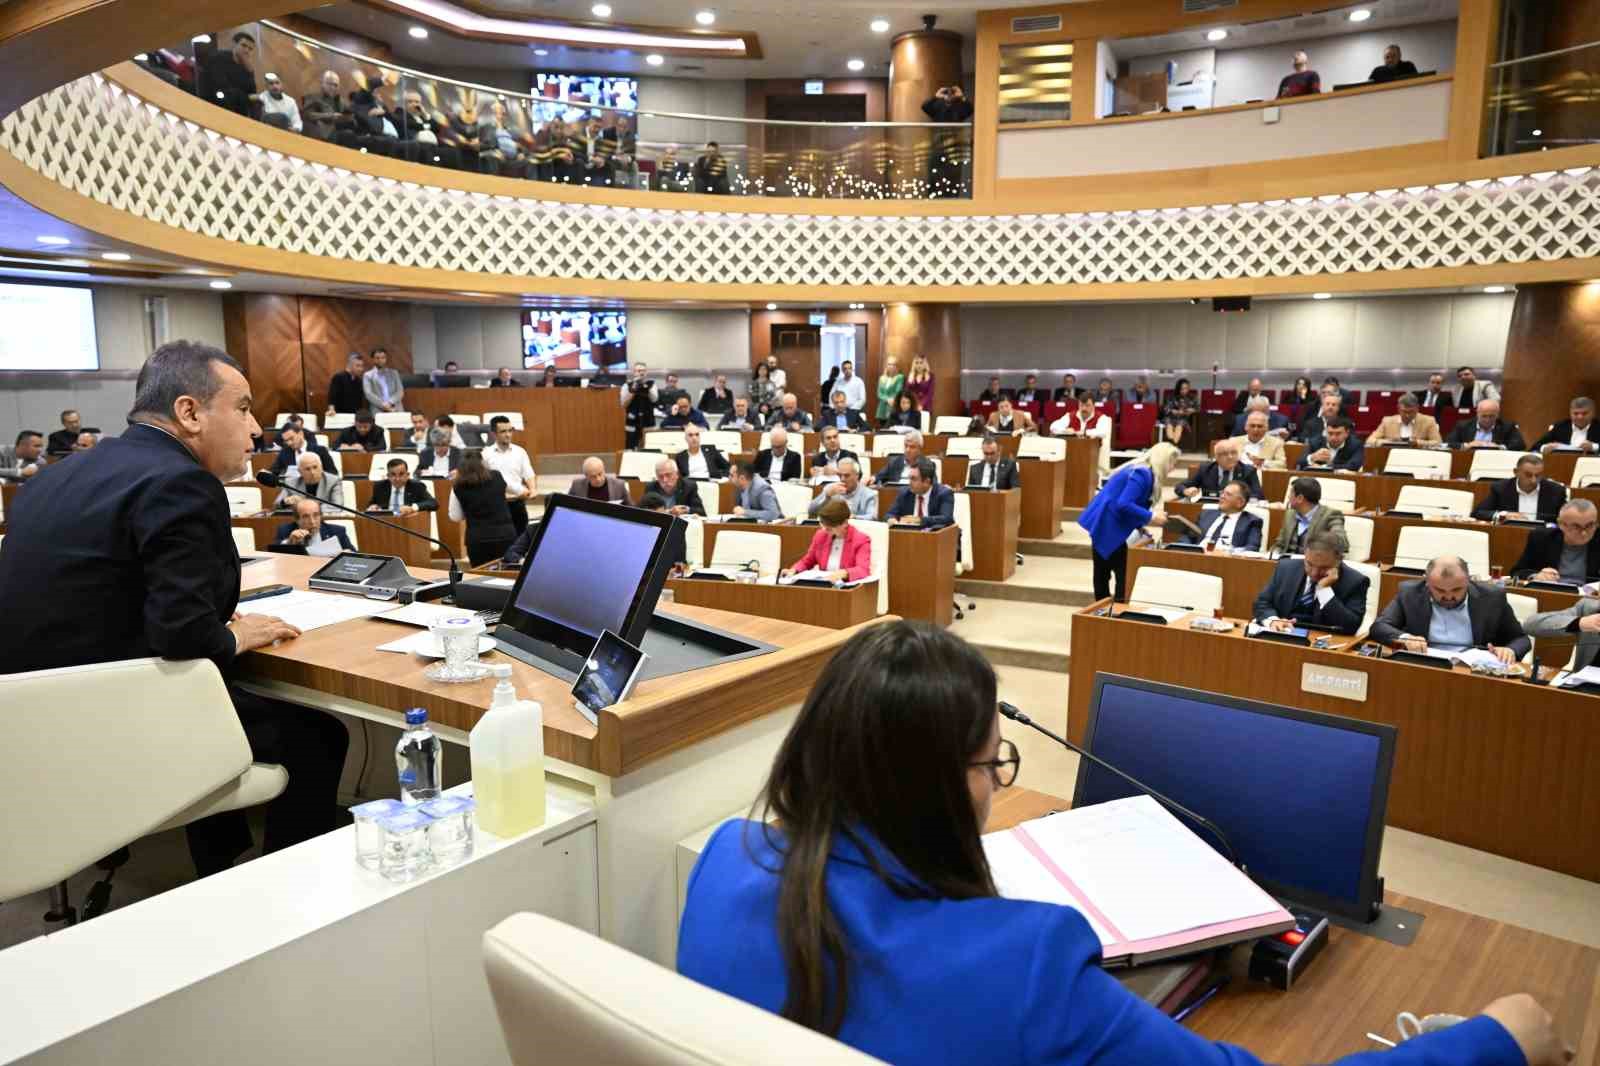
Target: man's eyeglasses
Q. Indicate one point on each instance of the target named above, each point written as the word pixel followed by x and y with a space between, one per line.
pixel 1003 771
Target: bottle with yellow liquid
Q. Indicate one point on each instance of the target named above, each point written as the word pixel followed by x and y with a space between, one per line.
pixel 508 761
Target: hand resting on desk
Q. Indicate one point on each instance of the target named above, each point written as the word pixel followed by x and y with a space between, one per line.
pixel 1531 1026
pixel 252 631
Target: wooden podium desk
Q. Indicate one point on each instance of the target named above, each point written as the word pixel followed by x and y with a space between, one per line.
pixel 1489 763
pixel 995 517
pixel 1459 963
pixel 566 421
pixel 1081 471
pixel 826 608
pixel 1044 494
pixel 451 532
pixel 680 753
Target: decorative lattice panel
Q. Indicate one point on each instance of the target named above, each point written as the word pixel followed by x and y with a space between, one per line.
pixel 99 141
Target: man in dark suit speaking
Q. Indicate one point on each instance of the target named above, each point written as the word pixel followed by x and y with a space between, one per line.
pixel 126 552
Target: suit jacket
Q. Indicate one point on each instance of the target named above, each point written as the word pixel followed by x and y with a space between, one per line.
pixel 1442 399
pixel 1561 433
pixel 424 459
pixel 1271 447
pixel 330 488
pixel 852 420
pixel 1506 434
pixel 327 532
pixel 496 383
pixel 1243 398
pixel 1493 621
pixel 677 421
pixel 125 552
pixel 416 495
pixel 894 471
pixel 374 440
pixel 1006 474
pixel 1122 505
pixel 1210 480
pixel 1324 520
pixel 1544 549
pixel 1424 430
pixel 821 459
pixel 758 500
pixel 1248 532
pixel 791 464
pixel 795 423
pixel 1019 420
pixel 1503 497
pixel 1275 420
pixel 1481 390
pixel 286 458
pixel 1349 457
pixel 344 393
pixel 716 462
pixel 616 488
pixel 941 506
pixel 1342 614
pixel 712 404
pixel 1311 428
pixel 1565 623
pixel 732 421
pixel 856 558
pixel 687 494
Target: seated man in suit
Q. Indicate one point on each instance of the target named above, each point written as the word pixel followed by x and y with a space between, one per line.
pixel 364 435
pixel 1526 493
pixel 717 398
pixel 1410 426
pixel 669 395
pixel 682 494
pixel 1337 449
pixel 993 471
pixel 1578 430
pixel 1008 419
pixel 992 392
pixel 898 469
pixel 862 500
pixel 1241 401
pixel 1228 525
pixel 596 484
pixel 1277 423
pixel 1347 397
pixel 1318 590
pixel 1487 430
pixel 1307 516
pixel 400 493
pixel 1257 445
pixel 683 415
pixel 840 415
pixel 293 443
pixel 924 502
pixel 1435 398
pixel 753 497
pixel 1068 390
pixel 778 462
pixel 1448 611
pixel 308 530
pixel 1226 467
pixel 1312 427
pixel 700 461
pixel 1570 552
pixel 448 424
pixel 62 441
pixel 1581 620
pixel 825 464
pixel 740 417
pixel 1030 393
pixel 789 416
pixel 440 458
pixel 309 479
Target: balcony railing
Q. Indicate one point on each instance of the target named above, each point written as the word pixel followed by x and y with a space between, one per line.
pixel 1549 100
pixel 381 108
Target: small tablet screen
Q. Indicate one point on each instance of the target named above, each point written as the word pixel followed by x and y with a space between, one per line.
pixel 608 674
pixel 352 567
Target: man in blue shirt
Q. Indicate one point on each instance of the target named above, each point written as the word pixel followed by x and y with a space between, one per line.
pixel 1447 611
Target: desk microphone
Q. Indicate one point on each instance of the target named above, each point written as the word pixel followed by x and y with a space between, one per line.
pixel 272 481
pixel 1011 712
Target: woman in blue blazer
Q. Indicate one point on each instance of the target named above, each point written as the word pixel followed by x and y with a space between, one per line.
pixel 1125 504
pixel 871 916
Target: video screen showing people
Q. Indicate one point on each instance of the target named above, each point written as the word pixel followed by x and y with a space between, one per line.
pixel 568 96
pixel 574 340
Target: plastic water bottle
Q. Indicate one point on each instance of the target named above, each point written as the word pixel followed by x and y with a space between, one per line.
pixel 419 760
pixel 508 761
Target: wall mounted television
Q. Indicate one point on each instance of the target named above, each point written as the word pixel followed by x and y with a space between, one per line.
pixel 574 340
pixel 570 96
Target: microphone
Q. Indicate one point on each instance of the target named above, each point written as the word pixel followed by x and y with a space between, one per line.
pixel 1011 712
pixel 270 479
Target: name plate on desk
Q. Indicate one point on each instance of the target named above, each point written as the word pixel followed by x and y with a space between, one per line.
pixel 1333 681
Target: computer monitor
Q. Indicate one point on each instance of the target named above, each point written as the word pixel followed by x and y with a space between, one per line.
pixel 1301 795
pixel 450 381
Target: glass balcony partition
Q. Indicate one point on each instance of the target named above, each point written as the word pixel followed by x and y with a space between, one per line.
pixel 1547 100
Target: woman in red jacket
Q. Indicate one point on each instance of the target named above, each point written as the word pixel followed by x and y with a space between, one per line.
pixel 839 550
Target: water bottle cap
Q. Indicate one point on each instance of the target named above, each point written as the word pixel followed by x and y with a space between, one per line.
pixel 416 716
pixel 501 671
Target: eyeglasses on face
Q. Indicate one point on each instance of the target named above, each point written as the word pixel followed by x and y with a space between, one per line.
pixel 1003 770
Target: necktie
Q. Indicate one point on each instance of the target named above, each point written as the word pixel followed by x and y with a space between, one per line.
pixel 919 506
pixel 988 473
pixel 1216 530
pixel 1307 597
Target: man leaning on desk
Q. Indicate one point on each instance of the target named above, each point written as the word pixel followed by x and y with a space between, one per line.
pixel 1570 552
pixel 138 528
pixel 1318 589
pixel 1448 611
pixel 924 502
pixel 1525 494
pixel 1578 431
pixel 1338 448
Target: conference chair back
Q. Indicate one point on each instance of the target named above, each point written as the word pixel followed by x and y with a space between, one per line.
pixel 951 425
pixel 738 547
pixel 1161 586
pixel 726 441
pixel 888 444
pixel 243 499
pixel 1418 544
pixel 1337 492
pixel 566 996
pixel 338 460
pixel 1493 464
pixel 1418 462
pixel 926 419
pixel 853 442
pixel 244 539
pixel 666 441
pixel 1358 531
pixel 963 511
pixel 639 465
pixel 392 419
pixel 515 416
pixel 462 418
pixel 349 525
pixel 381 460
pixel 1042 448
pixel 1585 472
pixel 969 447
pixel 85 797
pixel 1374 575
pixel 878 534
pixel 710 497
pixel 1431 500
pixel 1523 607
pixel 338 421
pixel 794 497
pixel 694 540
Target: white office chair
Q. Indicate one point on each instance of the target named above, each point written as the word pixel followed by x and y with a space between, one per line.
pixel 1374 591
pixel 878 534
pixel 711 497
pixel 381 461
pixel 1493 464
pixel 1041 448
pixel 1337 492
pixel 1585 472
pixel 1431 500
pixel 1418 544
pixel 566 996
pixel 349 525
pixel 853 442
pixel 244 539
pixel 85 798
pixel 1358 531
pixel 925 416
pixel 338 421
pixel 392 419
pixel 885 444
pixel 460 417
pixel 1165 587
pixel 338 461
pixel 951 425
pixel 736 548
pixel 306 417
pixel 1418 462
pixel 515 416
pixel 966 447
pixel 667 441
pixel 694 540
pixel 243 500
pixel 726 441
pixel 1523 607
pixel 793 497
pixel 963 513
pixel 641 466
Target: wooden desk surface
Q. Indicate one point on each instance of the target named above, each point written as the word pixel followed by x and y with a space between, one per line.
pixel 826 608
pixel 1459 963
pixel 661 716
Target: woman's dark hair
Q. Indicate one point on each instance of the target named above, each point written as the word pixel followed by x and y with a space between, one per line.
pixel 910 398
pixel 878 756
pixel 834 513
pixel 1305 381
pixel 763 366
pixel 473 470
pixel 1177 388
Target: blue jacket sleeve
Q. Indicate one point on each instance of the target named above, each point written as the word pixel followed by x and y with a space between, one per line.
pixel 943 512
pixel 1357 457
pixel 1128 507
pixel 1252 538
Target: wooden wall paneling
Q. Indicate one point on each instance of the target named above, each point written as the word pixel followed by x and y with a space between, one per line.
pixel 1552 353
pixel 920 63
pixel 934 331
pixel 868 367
pixel 1477 33
pixel 330 329
pixel 262 331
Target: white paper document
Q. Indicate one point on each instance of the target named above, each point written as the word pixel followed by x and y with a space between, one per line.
pixel 1589 675
pixel 423 614
pixel 1171 614
pixel 307 609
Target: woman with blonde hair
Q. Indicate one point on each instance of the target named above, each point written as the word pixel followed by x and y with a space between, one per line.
pixel 919 383
pixel 890 382
pixel 1129 501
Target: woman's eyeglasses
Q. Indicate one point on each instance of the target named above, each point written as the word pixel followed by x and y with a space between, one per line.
pixel 1003 771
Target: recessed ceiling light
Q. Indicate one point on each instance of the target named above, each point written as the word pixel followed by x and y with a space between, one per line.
pixel 116 257
pixel 55 242
pixel 1494 290
pixel 654 59
pixel 855 64
pixel 201 38
pixel 879 25
pixel 1217 35
pixel 772 307
pixel 220 284
pixel 1360 14
pixel 1538 133
pixel 601 11
pixel 541 51
pixel 1322 296
pixel 419 32
pixel 705 18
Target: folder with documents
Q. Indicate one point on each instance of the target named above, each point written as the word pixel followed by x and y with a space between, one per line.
pixel 1149 887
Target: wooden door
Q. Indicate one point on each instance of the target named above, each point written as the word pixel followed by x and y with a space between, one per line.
pixel 799 352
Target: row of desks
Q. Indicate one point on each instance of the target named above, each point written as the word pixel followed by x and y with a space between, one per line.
pixel 372 536
pixel 1558 466
pixel 1381 492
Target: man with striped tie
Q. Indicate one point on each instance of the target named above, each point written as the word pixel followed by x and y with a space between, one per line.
pixel 1317 590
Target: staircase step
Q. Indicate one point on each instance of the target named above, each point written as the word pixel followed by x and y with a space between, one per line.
pixel 1059 548
pixel 1017 592
pixel 1035 637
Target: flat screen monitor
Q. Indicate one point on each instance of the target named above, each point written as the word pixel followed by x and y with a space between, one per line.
pixel 47 327
pixel 592 567
pixel 570 97
pixel 1301 795
pixel 574 340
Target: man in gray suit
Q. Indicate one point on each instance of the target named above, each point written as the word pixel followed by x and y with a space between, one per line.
pixel 862 500
pixel 753 497
pixel 1582 620
pixel 596 484
pixel 1447 611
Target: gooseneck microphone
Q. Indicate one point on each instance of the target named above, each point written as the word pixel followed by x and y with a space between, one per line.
pixel 270 479
pixel 1011 712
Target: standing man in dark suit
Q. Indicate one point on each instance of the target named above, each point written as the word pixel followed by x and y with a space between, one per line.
pixel 1447 611
pixel 1318 589
pixel 994 471
pixel 779 455
pixel 1577 430
pixel 1570 552
pixel 344 390
pixel 126 552
pixel 1487 430
pixel 293 443
pixel 700 461
pixel 924 502
pixel 1526 494
pixel 1228 524
pixel 400 493
pixel 1210 479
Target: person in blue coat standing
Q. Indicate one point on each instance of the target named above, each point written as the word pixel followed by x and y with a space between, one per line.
pixel 1129 501
pixel 871 915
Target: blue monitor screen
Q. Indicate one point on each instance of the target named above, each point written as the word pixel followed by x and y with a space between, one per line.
pixel 1300 795
pixel 587 569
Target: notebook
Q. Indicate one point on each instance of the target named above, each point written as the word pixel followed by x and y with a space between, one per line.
pixel 1148 886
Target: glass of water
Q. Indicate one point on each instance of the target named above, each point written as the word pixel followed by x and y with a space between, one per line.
pixel 458 641
pixel 369 834
pixel 404 855
pixel 450 835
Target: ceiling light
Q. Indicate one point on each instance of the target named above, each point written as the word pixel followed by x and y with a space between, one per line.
pixel 541 51
pixel 1322 296
pixel 1538 133
pixel 116 257
pixel 201 38
pixel 601 11
pixel 654 59
pixel 419 32
pixel 1494 290
pixel 1217 35
pixel 220 284
pixel 879 25
pixel 1360 14
pixel 856 64
pixel 705 18
pixel 54 242
pixel 772 307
